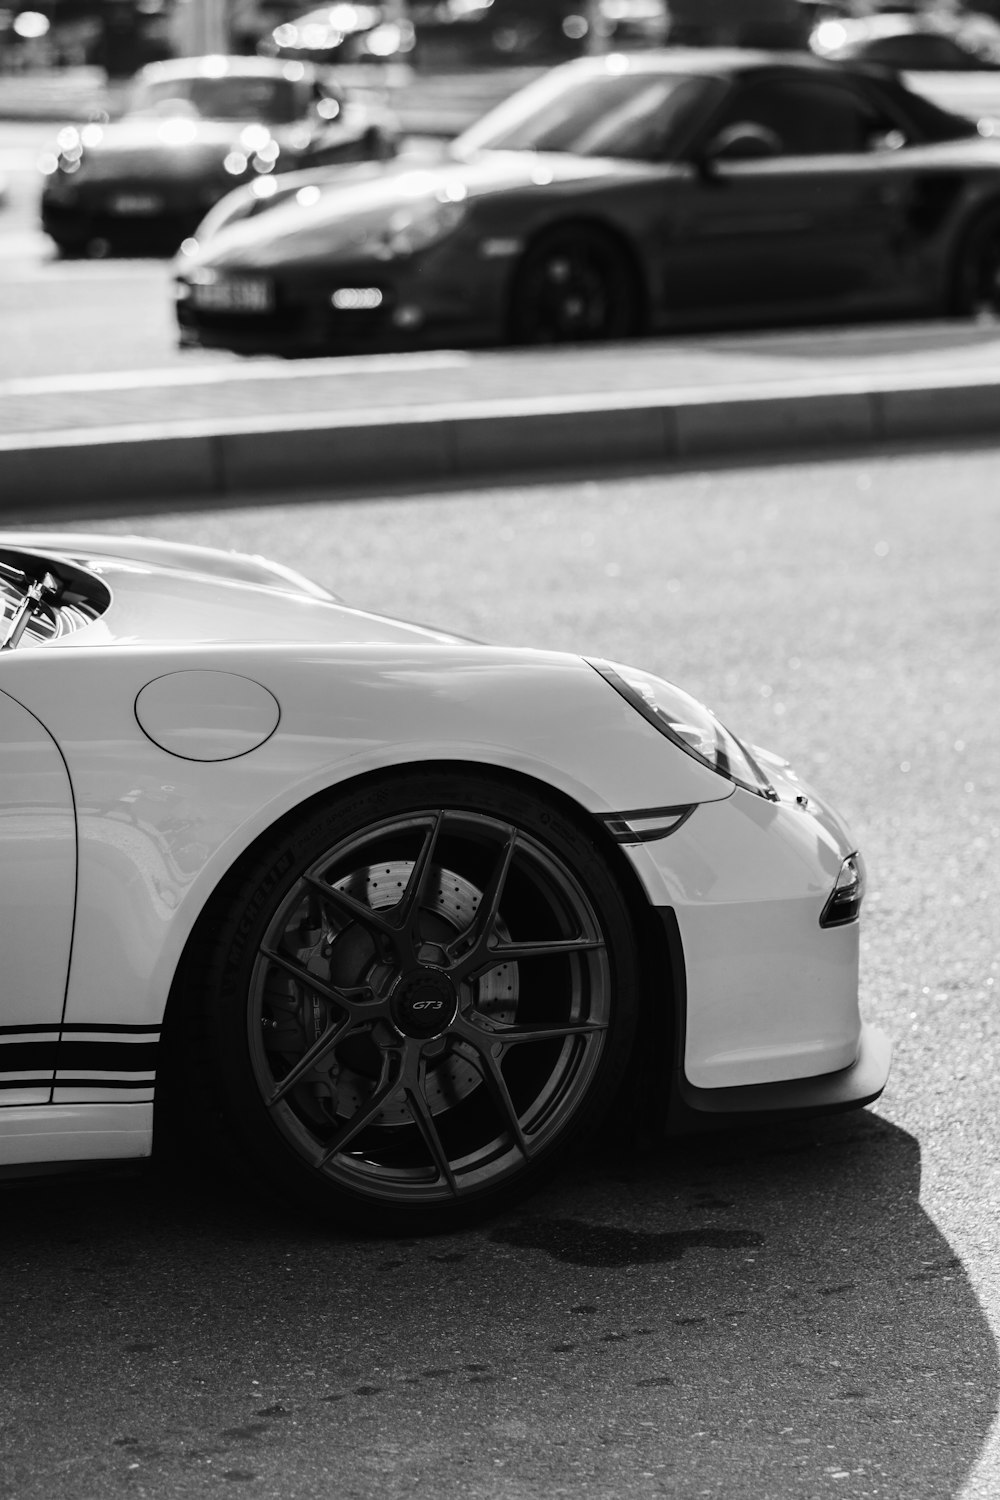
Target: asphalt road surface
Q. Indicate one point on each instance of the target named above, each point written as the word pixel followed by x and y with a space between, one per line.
pixel 788 1314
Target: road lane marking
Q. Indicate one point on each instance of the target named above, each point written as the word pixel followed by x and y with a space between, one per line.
pixel 222 373
pixel 19 158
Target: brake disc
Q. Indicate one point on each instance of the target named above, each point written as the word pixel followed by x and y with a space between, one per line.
pixel 348 957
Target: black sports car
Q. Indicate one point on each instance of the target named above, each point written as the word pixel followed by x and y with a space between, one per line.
pixel 617 195
pixel 338 34
pixel 193 129
pixel 916 43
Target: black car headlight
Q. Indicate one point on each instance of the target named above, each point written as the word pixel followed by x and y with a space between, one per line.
pixel 420 225
pixel 689 724
pixel 844 901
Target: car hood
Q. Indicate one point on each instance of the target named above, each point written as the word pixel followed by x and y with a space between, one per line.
pixel 152 593
pixel 346 211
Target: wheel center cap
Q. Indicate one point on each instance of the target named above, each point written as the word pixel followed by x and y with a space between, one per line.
pixel 424 1003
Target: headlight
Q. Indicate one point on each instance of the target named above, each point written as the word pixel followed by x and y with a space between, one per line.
pixel 414 228
pixel 691 726
pixel 845 899
pixel 390 37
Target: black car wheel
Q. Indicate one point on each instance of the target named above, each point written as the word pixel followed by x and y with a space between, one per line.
pixel 976 289
pixel 422 998
pixel 574 284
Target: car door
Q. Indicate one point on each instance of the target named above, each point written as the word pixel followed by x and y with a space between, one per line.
pixel 808 222
pixel 37 896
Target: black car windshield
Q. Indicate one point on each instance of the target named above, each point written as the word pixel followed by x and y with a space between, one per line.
pixel 272 101
pixel 629 114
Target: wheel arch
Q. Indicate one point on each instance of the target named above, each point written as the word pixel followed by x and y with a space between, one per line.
pixel 592 222
pixel 658 953
pixel 988 208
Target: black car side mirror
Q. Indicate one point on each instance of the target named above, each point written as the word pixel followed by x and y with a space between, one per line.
pixel 744 141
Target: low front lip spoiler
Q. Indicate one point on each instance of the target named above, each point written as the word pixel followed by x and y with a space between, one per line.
pixel 830 1093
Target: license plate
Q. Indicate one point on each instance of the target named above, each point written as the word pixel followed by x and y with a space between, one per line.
pixel 136 203
pixel 252 294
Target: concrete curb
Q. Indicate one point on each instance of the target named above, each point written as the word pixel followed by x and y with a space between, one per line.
pixel 354 451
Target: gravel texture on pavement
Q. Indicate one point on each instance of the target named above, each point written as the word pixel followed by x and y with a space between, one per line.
pixel 792 1314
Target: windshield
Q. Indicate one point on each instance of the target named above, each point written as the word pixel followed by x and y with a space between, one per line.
pixel 637 115
pixel 272 101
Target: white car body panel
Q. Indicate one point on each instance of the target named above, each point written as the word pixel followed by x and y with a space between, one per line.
pixel 770 995
pixel 38 880
pixel 216 695
pixel 75 1133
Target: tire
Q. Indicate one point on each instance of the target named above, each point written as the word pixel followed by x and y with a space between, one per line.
pixel 574 285
pixel 423 996
pixel 976 285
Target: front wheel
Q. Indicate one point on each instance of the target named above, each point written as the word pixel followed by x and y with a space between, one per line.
pixel 422 997
pixel 574 284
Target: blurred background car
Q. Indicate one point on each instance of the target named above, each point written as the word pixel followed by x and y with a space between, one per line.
pixel 617 195
pixel 912 42
pixel 491 33
pixel 191 130
pixel 342 34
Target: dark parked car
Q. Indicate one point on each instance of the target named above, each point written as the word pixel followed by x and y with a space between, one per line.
pixel 193 129
pixel 619 195
pixel 913 43
pixel 528 33
pixel 337 34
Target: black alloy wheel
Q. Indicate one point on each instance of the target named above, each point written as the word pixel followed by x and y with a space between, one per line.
pixel 424 997
pixel 976 290
pixel 574 285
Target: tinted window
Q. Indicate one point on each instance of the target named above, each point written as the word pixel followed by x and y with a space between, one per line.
pixel 271 100
pixel 808 116
pixel 635 115
pixel 914 52
pixel 925 121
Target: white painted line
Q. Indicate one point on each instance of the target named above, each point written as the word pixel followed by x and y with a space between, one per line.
pixel 54 271
pixel 873 335
pixel 525 406
pixel 22 158
pixel 223 372
pixel 27 245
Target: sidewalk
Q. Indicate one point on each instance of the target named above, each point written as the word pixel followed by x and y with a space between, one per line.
pixel 351 425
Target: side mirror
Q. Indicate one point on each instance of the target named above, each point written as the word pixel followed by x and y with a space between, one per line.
pixel 743 141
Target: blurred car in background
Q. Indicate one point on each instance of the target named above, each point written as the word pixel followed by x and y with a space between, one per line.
pixel 911 42
pixel 491 33
pixel 192 130
pixel 342 34
pixel 619 195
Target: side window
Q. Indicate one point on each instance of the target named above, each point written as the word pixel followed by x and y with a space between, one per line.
pixel 918 52
pixel 808 117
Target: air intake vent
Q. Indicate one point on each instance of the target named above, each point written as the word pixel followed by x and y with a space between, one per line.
pixel 45 598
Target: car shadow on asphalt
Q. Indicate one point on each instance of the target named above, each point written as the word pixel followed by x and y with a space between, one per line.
pixel 763 1311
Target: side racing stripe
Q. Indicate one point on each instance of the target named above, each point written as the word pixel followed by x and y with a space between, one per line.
pixel 84 1057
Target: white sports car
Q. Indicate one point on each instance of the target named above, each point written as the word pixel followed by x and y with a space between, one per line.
pixel 393 917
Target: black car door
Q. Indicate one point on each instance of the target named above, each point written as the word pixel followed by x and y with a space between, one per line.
pixel 811 221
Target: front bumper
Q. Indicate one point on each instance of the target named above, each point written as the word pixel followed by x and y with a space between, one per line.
pixel 425 300
pixel 765 995
pixel 74 226
pixel 848 1088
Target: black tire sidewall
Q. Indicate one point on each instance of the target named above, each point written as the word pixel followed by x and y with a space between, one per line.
pixel 965 295
pixel 615 270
